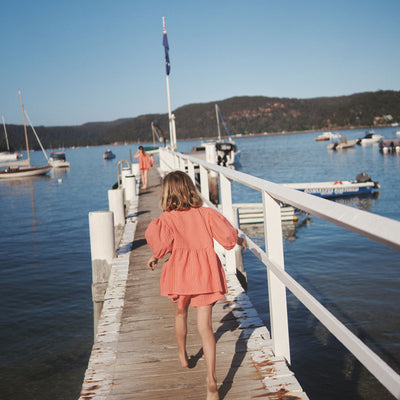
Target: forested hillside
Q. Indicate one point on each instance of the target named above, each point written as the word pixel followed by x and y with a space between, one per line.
pixel 242 115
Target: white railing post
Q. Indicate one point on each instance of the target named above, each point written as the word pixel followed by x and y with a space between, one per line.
pixel 177 161
pixel 191 171
pixel 276 289
pixel 181 164
pixel 204 187
pixel 162 155
pixel 227 210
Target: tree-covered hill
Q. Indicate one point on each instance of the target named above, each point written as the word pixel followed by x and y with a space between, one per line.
pixel 243 115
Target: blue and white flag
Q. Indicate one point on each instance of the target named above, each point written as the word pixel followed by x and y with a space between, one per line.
pixel 166 47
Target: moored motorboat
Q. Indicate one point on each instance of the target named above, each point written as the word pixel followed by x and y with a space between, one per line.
pixel 108 155
pixel 370 138
pixel 389 145
pixel 343 144
pixel 8 156
pixel 361 185
pixel 327 136
pixel 57 159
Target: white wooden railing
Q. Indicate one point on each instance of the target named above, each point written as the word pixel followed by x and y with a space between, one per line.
pixel 380 229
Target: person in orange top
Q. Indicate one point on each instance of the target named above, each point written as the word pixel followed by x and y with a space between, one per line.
pixel 193 274
pixel 144 165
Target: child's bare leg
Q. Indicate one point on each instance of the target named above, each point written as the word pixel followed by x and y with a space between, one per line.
pixel 181 332
pixel 204 326
pixel 142 177
pixel 145 178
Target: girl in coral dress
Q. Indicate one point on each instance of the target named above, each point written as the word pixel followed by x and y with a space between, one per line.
pixel 144 165
pixel 193 274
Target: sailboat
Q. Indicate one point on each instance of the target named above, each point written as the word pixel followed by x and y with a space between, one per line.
pixel 8 155
pixel 23 168
pixel 223 151
pixel 227 153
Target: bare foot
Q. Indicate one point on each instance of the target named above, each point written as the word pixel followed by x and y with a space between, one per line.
pixel 183 359
pixel 212 390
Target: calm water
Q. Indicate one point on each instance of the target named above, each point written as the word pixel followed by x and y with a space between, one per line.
pixel 45 300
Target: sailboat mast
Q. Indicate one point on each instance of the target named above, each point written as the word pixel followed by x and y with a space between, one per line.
pixel 5 132
pixel 219 131
pixel 26 132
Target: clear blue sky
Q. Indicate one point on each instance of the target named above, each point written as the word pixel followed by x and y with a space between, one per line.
pixel 80 61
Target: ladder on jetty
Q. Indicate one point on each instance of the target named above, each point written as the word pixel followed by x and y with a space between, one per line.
pixel 251 362
pixel 135 355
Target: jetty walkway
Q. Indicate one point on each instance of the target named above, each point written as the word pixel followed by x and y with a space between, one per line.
pixel 134 355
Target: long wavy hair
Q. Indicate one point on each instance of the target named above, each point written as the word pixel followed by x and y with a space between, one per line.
pixel 142 149
pixel 179 192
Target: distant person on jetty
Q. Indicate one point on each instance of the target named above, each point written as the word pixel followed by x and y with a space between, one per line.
pixel 144 165
pixel 193 274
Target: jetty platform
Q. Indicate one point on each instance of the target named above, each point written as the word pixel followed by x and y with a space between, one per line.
pixel 134 355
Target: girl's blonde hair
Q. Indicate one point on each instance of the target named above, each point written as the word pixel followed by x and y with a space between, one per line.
pixel 179 192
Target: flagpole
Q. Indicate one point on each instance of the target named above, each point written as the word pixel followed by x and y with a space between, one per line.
pixel 172 133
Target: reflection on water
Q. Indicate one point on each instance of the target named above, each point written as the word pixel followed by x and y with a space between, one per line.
pixel 289 229
pixel 365 202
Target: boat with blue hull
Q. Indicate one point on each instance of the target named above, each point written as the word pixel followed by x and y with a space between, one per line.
pixel 362 185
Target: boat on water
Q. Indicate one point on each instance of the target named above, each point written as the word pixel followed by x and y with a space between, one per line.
pixel 389 145
pixel 370 138
pixel 362 185
pixel 8 155
pixel 226 151
pixel 327 136
pixel 342 144
pixel 108 155
pixel 57 159
pixel 23 168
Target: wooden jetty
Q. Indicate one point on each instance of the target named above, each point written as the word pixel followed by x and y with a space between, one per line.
pixel 134 355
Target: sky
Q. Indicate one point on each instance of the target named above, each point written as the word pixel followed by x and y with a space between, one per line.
pixel 81 61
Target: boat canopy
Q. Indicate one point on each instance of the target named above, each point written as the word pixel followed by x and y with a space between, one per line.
pixel 58 155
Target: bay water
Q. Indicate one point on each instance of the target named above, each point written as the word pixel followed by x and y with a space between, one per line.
pixel 46 322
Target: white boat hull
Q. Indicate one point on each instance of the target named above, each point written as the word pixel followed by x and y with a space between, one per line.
pixel 342 145
pixel 59 164
pixel 334 189
pixel 16 173
pixel 371 140
pixel 5 156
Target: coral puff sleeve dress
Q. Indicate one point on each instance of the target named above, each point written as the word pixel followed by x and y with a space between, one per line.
pixel 144 162
pixel 193 267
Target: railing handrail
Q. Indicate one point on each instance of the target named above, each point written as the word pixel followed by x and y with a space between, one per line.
pixel 380 229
